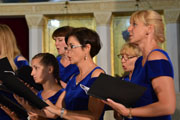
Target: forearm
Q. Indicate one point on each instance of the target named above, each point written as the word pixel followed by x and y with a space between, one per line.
pixel 153 110
pixel 78 115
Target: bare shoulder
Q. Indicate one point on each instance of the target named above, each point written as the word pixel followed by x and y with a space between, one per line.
pixel 157 55
pixel 97 72
pixel 21 58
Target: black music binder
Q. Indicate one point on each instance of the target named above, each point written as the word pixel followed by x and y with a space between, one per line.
pixel 124 92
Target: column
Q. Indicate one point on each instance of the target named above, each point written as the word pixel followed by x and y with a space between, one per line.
pixel 104 56
pixel 173 42
pixel 35 24
pixel 103 29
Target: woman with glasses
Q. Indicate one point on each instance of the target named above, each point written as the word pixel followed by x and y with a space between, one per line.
pixel 74 104
pixel 128 55
pixel 153 70
pixel 66 70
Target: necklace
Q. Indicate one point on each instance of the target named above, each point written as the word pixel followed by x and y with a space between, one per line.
pixel 80 77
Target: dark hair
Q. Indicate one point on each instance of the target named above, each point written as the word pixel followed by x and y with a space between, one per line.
pixel 86 36
pixel 62 31
pixel 48 59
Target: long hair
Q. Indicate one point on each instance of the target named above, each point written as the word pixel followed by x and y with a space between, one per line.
pixel 8 45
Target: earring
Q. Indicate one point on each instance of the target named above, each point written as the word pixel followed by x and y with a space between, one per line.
pixel 85 57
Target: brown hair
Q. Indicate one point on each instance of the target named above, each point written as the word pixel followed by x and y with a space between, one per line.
pixel 62 31
pixel 48 59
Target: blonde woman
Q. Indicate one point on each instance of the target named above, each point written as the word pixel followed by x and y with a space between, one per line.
pixel 129 53
pixel 9 49
pixel 153 70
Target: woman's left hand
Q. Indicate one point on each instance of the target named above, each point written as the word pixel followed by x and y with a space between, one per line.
pixel 24 103
pixel 9 112
pixel 121 109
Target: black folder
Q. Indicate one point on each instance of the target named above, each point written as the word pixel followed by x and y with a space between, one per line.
pixel 5 65
pixel 124 92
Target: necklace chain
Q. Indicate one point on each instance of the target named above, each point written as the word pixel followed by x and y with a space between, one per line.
pixel 81 76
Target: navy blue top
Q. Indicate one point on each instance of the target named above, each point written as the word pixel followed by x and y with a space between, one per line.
pixel 143 75
pixel 66 72
pixel 53 98
pixel 20 63
pixel 76 98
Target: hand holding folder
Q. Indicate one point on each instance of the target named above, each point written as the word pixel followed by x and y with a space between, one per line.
pixel 106 86
pixel 13 106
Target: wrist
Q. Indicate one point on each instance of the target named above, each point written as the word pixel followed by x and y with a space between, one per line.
pixel 62 112
pixel 130 113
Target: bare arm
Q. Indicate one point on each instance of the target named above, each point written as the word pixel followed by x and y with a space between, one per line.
pixel 164 88
pixel 21 58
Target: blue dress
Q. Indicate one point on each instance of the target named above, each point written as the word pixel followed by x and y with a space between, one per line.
pixel 76 98
pixel 20 63
pixel 53 98
pixel 3 115
pixel 126 78
pixel 143 75
pixel 66 72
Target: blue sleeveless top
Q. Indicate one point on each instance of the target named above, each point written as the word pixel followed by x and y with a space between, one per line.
pixel 20 63
pixel 53 98
pixel 143 75
pixel 76 98
pixel 126 78
pixel 66 72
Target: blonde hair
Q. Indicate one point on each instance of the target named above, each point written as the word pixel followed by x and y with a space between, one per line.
pixel 150 17
pixel 130 50
pixel 8 46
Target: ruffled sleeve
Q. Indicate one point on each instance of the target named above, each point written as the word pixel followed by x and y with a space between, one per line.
pixel 158 68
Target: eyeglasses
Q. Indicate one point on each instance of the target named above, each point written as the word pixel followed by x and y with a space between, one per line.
pixel 69 47
pixel 125 57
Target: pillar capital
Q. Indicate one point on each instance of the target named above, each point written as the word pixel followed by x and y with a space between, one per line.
pixel 172 16
pixel 34 20
pixel 102 18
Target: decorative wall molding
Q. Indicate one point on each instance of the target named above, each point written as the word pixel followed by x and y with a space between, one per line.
pixel 76 7
pixel 34 20
pixel 172 16
pixel 102 18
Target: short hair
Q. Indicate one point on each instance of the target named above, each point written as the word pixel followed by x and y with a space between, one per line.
pixel 48 59
pixel 62 31
pixel 150 17
pixel 86 36
pixel 130 49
